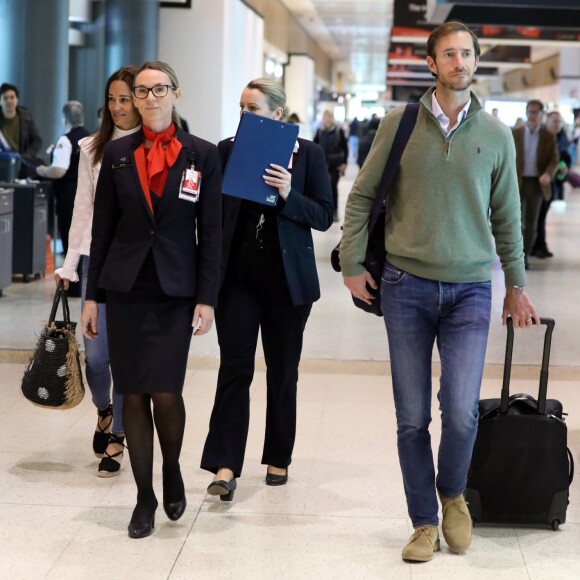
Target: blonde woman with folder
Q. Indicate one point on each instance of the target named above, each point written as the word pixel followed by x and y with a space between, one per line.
pixel 268 283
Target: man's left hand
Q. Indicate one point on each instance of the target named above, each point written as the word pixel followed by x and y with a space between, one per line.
pixel 518 305
pixel 544 179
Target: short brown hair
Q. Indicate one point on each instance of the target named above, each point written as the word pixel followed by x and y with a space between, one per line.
pixel 448 28
pixel 5 87
pixel 535 103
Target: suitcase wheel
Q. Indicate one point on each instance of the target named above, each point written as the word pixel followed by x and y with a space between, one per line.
pixel 555 525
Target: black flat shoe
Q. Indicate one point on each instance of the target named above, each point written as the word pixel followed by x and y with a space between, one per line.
pixel 110 465
pixel 176 509
pixel 142 521
pixel 273 479
pixel 225 489
pixel 102 433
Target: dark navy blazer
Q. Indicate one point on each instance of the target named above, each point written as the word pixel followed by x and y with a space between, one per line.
pixel 183 236
pixel 309 205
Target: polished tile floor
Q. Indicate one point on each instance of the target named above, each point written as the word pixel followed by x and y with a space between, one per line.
pixel 342 514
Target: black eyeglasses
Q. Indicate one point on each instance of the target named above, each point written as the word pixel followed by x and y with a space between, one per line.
pixel 158 91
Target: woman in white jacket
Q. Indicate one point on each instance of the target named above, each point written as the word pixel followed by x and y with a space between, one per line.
pixel 120 118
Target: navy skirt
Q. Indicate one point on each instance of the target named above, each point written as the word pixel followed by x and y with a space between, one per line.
pixel 149 335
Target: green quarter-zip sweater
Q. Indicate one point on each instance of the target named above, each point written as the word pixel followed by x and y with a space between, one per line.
pixel 454 194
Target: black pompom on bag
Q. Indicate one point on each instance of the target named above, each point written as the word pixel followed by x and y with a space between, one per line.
pixel 53 377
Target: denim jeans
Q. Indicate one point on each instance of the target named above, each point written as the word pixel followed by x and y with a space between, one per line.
pixel 417 313
pixel 97 362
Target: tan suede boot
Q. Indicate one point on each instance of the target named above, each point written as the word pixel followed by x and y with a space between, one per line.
pixel 423 542
pixel 457 524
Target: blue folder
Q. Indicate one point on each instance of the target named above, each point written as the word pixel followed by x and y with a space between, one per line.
pixel 259 141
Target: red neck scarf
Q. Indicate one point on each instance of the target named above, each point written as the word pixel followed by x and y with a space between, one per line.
pixel 160 158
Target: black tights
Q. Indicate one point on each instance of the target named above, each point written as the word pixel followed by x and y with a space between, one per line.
pixel 169 418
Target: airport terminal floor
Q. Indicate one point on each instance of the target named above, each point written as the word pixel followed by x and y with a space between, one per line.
pixel 342 514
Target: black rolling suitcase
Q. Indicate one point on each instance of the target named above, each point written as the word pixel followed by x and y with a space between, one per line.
pixel 521 468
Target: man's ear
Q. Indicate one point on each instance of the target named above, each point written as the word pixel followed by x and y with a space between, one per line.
pixel 432 65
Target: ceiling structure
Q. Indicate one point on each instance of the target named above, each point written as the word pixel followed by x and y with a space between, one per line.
pixel 356 33
pixel 555 14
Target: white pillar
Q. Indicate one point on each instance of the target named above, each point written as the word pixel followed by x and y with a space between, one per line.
pixel 300 86
pixel 215 48
pixel 569 81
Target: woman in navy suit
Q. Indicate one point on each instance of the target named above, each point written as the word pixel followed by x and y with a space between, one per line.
pixel 155 255
pixel 269 282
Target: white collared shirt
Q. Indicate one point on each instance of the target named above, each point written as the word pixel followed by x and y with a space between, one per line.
pixel 531 140
pixel 443 119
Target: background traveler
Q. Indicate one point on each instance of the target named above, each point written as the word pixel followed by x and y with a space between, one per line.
pixel 19 129
pixel 554 124
pixel 536 162
pixel 332 139
pixel 367 140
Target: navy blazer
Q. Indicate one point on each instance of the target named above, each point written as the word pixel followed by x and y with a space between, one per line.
pixel 184 236
pixel 309 205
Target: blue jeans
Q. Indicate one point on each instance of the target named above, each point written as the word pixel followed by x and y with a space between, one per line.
pixel 417 313
pixel 97 362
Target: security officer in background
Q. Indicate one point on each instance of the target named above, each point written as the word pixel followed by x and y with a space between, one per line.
pixel 63 170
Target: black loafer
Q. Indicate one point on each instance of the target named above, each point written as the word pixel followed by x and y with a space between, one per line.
pixel 273 479
pixel 225 489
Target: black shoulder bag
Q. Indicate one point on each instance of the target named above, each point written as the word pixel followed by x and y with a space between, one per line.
pixel 375 253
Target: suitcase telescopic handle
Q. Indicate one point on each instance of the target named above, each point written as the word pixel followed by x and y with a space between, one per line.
pixel 507 369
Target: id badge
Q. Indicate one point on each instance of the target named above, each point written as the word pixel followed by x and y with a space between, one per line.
pixel 190 185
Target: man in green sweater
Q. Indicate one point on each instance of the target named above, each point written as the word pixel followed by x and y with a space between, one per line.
pixel 455 195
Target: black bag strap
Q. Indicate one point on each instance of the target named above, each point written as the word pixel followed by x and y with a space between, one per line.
pixel 59 294
pixel 507 369
pixel 406 126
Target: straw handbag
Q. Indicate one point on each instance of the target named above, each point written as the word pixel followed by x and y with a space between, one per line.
pixel 53 377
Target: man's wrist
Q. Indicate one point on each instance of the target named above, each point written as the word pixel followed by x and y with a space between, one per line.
pixel 518 287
